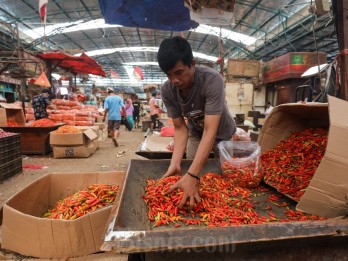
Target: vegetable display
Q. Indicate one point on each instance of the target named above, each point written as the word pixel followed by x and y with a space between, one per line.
pixel 5 134
pixel 90 199
pixel 43 123
pixel 11 123
pixel 290 166
pixel 68 129
pixel 223 204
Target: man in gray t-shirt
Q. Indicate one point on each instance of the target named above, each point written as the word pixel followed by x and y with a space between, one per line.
pixel 197 94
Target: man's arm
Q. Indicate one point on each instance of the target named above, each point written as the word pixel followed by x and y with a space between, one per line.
pixel 180 141
pixel 189 183
pixel 211 124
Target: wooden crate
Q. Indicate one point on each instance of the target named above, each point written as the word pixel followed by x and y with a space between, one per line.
pixel 243 68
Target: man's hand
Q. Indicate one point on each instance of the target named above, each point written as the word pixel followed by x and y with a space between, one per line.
pixel 172 171
pixel 190 187
pixel 104 119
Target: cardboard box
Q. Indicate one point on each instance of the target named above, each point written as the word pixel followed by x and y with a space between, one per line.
pixel 25 232
pixel 11 112
pixel 83 138
pixel 327 193
pixel 77 151
pixel 93 128
pixel 101 125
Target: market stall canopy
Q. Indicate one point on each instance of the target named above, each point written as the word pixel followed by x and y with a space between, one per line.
pixel 82 64
pixel 161 15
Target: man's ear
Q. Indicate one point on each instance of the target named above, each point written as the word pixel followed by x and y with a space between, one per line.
pixel 193 64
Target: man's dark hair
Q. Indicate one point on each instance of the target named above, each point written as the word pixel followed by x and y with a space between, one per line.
pixel 172 50
pixel 154 94
pixel 46 90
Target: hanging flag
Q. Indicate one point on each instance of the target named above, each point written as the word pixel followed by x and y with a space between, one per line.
pixel 43 10
pixel 138 73
pixel 114 74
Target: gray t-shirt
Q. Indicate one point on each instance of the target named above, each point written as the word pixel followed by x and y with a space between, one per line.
pixel 206 97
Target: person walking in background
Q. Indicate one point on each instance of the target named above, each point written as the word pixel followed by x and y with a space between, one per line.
pixel 113 104
pixel 154 110
pixel 129 112
pixel 40 104
pixel 136 112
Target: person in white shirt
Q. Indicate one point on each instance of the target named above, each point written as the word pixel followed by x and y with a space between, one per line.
pixel 268 109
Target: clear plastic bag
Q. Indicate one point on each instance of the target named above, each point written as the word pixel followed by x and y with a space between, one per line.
pixel 240 161
pixel 241 135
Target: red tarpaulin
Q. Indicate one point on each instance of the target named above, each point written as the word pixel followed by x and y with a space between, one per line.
pixel 82 64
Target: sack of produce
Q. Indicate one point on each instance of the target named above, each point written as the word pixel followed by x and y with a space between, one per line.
pixel 240 161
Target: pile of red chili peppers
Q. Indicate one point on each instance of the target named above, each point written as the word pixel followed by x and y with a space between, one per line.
pixel 245 175
pixel 223 204
pixel 43 123
pixel 82 202
pixel 290 166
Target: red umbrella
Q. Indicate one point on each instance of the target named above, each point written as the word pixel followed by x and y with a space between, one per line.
pixel 82 64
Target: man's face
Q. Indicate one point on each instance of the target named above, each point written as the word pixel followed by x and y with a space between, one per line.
pixel 182 76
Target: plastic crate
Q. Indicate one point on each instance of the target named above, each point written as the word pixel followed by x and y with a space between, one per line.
pixel 10 169
pixel 10 154
pixel 9 143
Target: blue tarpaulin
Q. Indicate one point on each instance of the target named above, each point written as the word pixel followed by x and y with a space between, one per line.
pixel 168 15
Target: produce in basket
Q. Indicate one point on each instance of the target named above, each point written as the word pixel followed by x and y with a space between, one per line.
pixel 240 161
pixel 90 199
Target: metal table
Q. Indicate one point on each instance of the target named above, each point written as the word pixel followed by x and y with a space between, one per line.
pixel 129 230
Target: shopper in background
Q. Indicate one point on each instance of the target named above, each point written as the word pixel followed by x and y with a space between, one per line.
pixel 41 103
pixel 268 109
pixel 129 112
pixel 136 112
pixel 113 104
pixel 198 94
pixel 154 110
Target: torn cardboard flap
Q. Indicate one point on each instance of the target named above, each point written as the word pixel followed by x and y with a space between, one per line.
pixel 326 194
pixel 82 138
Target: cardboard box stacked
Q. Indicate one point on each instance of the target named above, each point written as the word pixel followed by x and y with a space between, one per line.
pixel 326 194
pixel 10 156
pixel 75 145
pixel 25 232
pixel 70 112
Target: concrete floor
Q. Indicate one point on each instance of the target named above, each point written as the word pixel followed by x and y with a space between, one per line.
pixel 106 158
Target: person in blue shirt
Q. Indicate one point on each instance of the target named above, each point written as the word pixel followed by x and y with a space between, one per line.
pixel 113 105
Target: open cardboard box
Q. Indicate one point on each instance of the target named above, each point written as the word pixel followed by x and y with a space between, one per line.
pixel 327 193
pixel 11 112
pixel 75 151
pixel 25 232
pixel 69 139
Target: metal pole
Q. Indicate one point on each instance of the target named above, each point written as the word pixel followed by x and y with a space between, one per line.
pixel 23 80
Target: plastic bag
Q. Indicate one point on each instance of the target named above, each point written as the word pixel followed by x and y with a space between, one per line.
pixel 240 161
pixel 241 135
pixel 167 131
